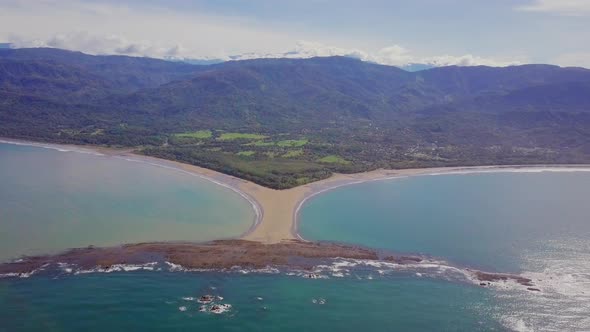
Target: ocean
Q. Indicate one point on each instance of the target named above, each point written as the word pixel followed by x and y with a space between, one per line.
pixel 536 224
pixel 52 200
pixel 532 224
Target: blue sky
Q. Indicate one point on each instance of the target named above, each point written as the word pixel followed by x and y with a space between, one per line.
pixel 493 32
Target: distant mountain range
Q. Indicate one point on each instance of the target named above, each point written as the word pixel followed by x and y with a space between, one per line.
pixel 366 115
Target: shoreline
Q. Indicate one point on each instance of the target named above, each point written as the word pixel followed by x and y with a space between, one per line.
pixel 346 180
pixel 220 179
pixel 277 212
pixel 314 260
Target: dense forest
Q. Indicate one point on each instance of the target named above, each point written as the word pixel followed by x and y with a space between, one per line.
pixel 285 122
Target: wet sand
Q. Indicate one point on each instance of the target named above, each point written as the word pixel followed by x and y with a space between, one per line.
pixel 277 210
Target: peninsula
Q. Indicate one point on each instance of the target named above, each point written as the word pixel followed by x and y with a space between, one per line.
pixel 277 210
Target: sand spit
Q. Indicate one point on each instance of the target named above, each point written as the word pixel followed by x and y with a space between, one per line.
pixel 276 211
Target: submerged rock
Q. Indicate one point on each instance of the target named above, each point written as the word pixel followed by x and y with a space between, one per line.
pixel 220 308
pixel 206 299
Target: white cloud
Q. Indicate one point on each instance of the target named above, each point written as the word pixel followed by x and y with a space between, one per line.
pixel 394 55
pixel 109 44
pixel 141 30
pixel 578 59
pixel 158 32
pixel 560 7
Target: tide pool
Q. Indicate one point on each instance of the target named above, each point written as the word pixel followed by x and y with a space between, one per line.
pixel 52 200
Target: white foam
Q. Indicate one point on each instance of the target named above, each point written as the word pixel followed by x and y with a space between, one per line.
pixel 517 325
pixel 220 308
pixel 560 268
pixel 120 268
pixel 174 267
pixel 60 148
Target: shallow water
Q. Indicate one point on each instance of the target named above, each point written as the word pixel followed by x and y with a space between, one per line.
pixel 52 200
pixel 533 224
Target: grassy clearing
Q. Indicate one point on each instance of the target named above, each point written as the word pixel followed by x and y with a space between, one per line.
pixel 292 143
pixel 246 153
pixel 235 136
pixel 333 159
pixel 260 143
pixel 199 134
pixel 293 154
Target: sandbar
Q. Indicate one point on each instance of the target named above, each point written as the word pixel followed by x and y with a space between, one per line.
pixel 276 211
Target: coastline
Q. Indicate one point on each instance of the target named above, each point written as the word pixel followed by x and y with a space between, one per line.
pixel 277 211
pixel 223 180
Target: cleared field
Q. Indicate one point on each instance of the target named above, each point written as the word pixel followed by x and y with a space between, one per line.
pixel 333 159
pixel 235 136
pixel 292 143
pixel 199 134
pixel 246 153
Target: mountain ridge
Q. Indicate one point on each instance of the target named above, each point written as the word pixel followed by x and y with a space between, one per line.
pixel 284 122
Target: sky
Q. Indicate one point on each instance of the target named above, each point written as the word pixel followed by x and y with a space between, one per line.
pixel 436 32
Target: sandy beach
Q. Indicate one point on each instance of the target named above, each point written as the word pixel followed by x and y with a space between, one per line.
pixel 277 210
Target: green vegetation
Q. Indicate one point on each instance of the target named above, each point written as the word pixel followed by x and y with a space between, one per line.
pixel 292 143
pixel 335 115
pixel 246 153
pixel 199 134
pixel 273 173
pixel 261 143
pixel 333 159
pixel 243 136
pixel 293 154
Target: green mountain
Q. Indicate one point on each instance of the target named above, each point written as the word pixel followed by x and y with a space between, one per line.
pixel 284 122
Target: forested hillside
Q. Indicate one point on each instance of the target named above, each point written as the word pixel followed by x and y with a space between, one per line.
pixel 284 122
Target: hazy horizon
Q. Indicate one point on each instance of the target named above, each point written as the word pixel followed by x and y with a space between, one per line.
pixel 435 33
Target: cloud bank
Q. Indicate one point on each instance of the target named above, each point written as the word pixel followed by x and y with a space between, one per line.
pixel 394 55
pixel 560 7
pixel 146 30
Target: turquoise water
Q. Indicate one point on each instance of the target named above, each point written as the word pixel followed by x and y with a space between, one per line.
pixel 150 301
pixel 535 224
pixel 52 200
pixel 480 220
